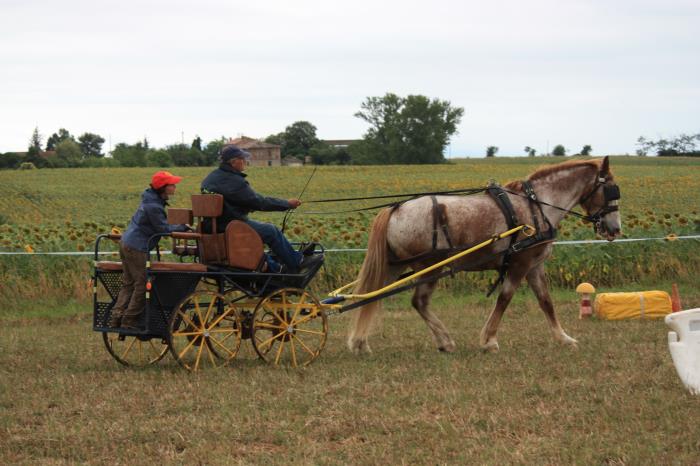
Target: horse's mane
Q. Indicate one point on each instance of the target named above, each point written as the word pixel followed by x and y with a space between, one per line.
pixel 554 168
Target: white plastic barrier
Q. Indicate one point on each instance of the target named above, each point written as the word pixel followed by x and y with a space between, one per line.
pixel 684 344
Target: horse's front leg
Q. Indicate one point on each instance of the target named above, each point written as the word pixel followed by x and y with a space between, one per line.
pixel 538 282
pixel 510 284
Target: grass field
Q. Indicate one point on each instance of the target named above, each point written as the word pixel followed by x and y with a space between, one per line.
pixel 617 400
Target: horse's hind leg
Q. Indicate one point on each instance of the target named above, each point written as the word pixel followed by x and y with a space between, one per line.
pixel 420 301
pixel 538 282
pixel 488 339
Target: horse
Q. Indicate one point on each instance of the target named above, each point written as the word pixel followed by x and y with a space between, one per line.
pixel 408 235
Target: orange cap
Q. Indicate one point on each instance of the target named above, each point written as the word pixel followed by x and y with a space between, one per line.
pixel 163 178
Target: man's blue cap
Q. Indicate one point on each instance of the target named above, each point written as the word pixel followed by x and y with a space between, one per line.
pixel 231 152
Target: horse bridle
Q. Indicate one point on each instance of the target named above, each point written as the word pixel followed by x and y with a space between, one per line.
pixel 611 193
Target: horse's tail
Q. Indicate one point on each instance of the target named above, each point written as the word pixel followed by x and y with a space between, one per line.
pixel 373 275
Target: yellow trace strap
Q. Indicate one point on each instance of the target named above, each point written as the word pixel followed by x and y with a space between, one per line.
pixel 525 229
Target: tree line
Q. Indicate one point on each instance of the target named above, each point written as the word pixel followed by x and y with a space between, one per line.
pixel 402 130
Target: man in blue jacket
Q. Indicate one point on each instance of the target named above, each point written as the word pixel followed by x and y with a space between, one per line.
pixel 240 199
pixel 150 218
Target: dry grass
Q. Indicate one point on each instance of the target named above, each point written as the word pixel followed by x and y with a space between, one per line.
pixel 617 400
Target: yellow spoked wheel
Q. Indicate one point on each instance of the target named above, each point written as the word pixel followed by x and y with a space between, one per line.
pixel 289 328
pixel 132 351
pixel 204 331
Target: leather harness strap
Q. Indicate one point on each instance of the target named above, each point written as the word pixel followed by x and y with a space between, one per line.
pixel 439 220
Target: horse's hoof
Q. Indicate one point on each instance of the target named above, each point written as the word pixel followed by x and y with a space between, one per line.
pixel 490 347
pixel 448 348
pixel 359 346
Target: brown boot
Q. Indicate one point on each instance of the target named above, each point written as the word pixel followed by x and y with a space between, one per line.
pixel 131 321
pixel 115 320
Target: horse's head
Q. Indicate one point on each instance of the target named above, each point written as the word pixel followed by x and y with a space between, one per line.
pixel 601 205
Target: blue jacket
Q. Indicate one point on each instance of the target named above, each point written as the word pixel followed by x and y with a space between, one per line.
pixel 149 219
pixel 239 197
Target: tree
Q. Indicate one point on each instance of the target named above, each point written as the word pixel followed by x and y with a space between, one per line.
pixel 130 155
pixel 559 150
pixel 530 151
pixel 184 156
pixel 55 138
pixel 34 150
pixel 68 153
pixel 491 151
pixel 197 144
pixel 407 130
pixel 91 145
pixel 323 154
pixel 683 145
pixel 586 150
pixel 298 139
pixel 159 158
pixel 210 153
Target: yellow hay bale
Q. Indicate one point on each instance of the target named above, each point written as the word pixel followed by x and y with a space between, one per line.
pixel 636 305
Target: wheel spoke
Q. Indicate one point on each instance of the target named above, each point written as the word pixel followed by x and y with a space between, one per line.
pixel 210 352
pixel 199 353
pixel 303 345
pixel 266 325
pixel 189 345
pixel 271 339
pixel 198 311
pixel 279 351
pixel 222 346
pixel 293 351
pixel 303 330
pixel 211 306
pixel 128 348
pixel 185 318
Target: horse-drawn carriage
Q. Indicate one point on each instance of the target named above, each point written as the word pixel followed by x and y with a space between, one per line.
pixel 219 293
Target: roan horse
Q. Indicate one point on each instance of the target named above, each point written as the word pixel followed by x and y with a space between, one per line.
pixel 409 231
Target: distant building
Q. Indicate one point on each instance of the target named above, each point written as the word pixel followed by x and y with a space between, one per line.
pixel 262 153
pixel 291 161
pixel 340 142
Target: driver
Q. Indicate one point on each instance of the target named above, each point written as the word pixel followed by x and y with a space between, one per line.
pixel 240 199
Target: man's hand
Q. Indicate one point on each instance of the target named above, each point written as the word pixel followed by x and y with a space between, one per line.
pixel 294 203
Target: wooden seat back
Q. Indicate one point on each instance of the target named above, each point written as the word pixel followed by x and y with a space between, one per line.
pixel 212 246
pixel 244 248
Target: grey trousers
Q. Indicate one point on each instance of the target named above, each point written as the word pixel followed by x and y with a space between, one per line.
pixel 131 300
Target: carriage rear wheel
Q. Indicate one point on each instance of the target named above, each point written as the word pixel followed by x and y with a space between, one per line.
pixel 134 351
pixel 204 331
pixel 289 327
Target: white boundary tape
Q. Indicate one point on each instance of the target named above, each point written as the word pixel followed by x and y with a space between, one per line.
pixel 556 243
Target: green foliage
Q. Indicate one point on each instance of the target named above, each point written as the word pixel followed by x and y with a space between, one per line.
pixel 197 144
pixel 682 145
pixel 323 154
pixel 10 160
pixel 210 153
pixel 587 149
pixel 559 150
pixel 159 158
pixel 27 166
pixel 491 151
pixel 130 155
pixel 299 138
pixel 530 151
pixel 184 156
pixel 55 138
pixel 410 130
pixel 91 145
pixel 68 153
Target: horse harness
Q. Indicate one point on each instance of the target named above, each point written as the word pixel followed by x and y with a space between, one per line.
pixel 541 235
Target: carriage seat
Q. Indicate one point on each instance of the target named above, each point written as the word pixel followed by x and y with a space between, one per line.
pixel 239 246
pixel 178 217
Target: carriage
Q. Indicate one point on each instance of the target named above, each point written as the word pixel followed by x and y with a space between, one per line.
pixel 218 294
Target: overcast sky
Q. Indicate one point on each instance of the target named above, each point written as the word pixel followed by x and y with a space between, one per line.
pixel 534 73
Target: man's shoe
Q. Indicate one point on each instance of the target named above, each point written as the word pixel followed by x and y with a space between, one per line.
pixel 308 261
pixel 307 249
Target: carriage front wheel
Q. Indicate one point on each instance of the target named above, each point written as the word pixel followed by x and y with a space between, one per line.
pixel 204 331
pixel 289 327
pixel 133 351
